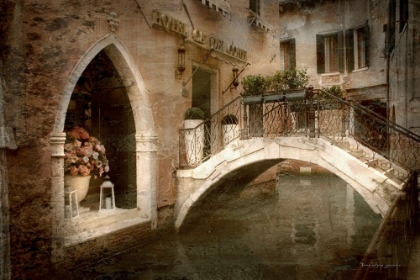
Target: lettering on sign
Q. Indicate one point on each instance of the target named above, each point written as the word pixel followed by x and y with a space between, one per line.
pixel 216 44
pixel 230 49
pixel 236 52
pixel 198 36
pixel 169 24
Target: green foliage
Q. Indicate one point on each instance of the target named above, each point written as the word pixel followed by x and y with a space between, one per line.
pixel 289 79
pixel 333 90
pixel 255 84
pixel 230 119
pixel 194 113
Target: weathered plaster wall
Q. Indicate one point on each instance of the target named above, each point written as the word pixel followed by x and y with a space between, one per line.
pixel 405 73
pixel 45 42
pixel 334 16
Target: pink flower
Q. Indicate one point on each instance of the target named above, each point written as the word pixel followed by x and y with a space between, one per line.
pixel 100 149
pixel 83 133
pixel 94 140
pixel 84 154
pixel 73 134
pixel 73 170
pixel 77 143
pixel 86 151
pixel 84 171
pixel 68 147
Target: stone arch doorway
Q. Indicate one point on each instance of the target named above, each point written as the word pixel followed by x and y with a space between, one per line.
pixel 99 103
pixel 140 129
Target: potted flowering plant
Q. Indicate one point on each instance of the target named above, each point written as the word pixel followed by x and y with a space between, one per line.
pixel 84 157
pixel 230 128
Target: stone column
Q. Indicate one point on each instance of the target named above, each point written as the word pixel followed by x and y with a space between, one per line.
pixel 146 166
pixel 57 194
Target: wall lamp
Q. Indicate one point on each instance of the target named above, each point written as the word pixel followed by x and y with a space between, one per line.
pixel 235 82
pixel 181 61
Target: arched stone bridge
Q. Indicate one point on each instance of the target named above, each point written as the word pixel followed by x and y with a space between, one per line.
pixel 244 160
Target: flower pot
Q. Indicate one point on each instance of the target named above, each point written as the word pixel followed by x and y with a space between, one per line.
pixel 251 99
pixel 229 133
pixel 194 141
pixel 79 183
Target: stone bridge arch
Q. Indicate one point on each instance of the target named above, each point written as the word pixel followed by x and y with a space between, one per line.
pixel 145 135
pixel 242 156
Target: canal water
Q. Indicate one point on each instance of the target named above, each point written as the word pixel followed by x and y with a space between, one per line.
pixel 294 227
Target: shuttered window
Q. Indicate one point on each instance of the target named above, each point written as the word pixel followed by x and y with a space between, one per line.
pixel 254 5
pixel 357 47
pixel 330 57
pixel 391 26
pixel 403 14
pixel 288 54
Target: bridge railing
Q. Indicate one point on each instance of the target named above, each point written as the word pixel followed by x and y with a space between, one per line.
pixel 211 136
pixel 309 113
pixel 388 253
pixel 384 138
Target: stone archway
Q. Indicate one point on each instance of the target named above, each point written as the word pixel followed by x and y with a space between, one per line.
pixel 241 156
pixel 145 136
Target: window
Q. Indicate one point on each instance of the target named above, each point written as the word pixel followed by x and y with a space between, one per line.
pixel 288 54
pixel 357 47
pixel 403 14
pixel 254 6
pixel 391 26
pixel 330 53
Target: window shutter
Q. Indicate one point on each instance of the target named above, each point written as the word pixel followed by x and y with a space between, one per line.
pixel 254 5
pixel 350 50
pixel 403 14
pixel 367 43
pixel 340 51
pixel 391 26
pixel 292 53
pixel 320 56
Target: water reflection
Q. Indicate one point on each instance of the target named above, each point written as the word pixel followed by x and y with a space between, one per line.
pixel 302 227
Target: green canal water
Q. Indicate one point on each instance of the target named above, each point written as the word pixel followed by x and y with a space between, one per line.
pixel 297 227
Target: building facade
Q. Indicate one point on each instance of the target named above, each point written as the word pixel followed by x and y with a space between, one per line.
pixel 126 71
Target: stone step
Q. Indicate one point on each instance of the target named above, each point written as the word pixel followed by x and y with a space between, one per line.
pixel 95 219
pixel 357 154
pixel 391 174
pixel 83 236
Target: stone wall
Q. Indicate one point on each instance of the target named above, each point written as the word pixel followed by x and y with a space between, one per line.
pixel 48 43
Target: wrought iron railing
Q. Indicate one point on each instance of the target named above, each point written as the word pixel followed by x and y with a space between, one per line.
pixel 388 143
pixel 209 137
pixel 311 113
pixel 388 254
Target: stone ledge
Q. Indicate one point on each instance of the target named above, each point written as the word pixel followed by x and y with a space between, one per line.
pixel 101 231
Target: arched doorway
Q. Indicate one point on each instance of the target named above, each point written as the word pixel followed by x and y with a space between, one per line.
pixel 99 104
pixel 132 107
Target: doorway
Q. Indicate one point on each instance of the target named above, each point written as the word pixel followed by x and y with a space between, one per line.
pixel 203 83
pixel 201 91
pixel 100 104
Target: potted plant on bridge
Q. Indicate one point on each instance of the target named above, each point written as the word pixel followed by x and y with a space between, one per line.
pixel 288 84
pixel 194 135
pixel 254 87
pixel 230 129
pixel 327 100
